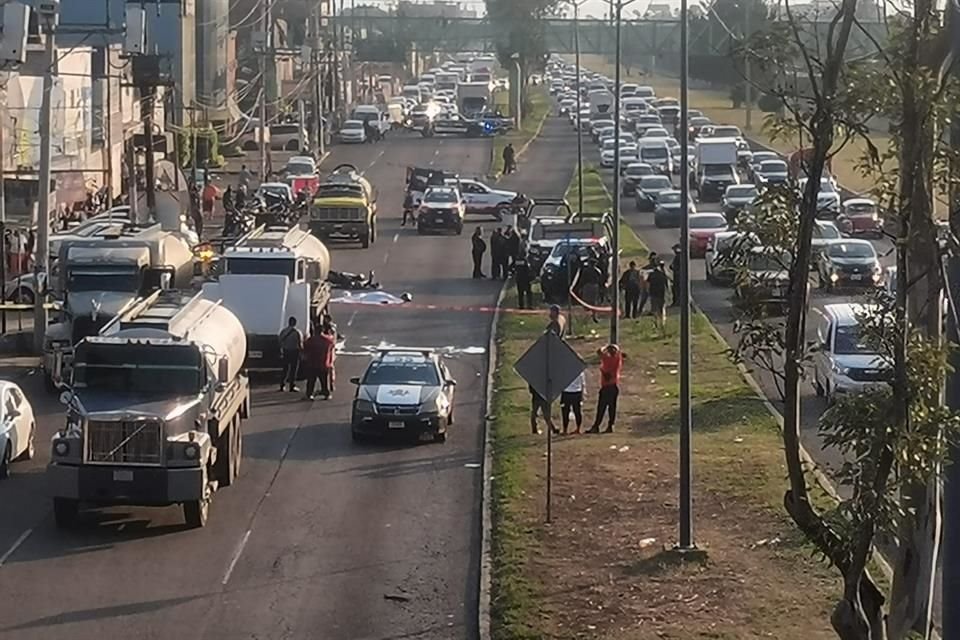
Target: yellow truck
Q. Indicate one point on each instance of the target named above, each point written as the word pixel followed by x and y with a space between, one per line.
pixel 344 208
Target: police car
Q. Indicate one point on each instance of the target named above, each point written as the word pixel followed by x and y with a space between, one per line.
pixel 441 208
pixel 403 391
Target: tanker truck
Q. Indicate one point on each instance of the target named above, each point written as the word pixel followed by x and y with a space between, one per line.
pixel 267 277
pixel 98 276
pixel 154 410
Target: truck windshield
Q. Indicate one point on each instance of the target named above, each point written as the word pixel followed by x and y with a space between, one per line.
pixel 718 170
pixel 141 369
pixel 261 266
pixel 103 279
pixel 474 105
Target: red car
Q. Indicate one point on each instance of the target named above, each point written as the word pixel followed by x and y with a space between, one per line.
pixel 703 226
pixel 860 216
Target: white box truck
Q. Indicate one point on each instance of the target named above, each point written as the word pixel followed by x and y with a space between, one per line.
pixel 716 167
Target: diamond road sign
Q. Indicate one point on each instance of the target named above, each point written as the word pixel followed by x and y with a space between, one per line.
pixel 549 366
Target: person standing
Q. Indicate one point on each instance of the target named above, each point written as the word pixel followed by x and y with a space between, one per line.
pixel 675 276
pixel 631 284
pixel 539 406
pixel 244 181
pixel 571 401
pixel 318 353
pixel 590 278
pixel 209 197
pixel 524 280
pixel 558 323
pixel 657 290
pixel 611 364
pixel 513 246
pixel 652 261
pixel 509 159
pixel 479 247
pixel 291 346
pixel 496 253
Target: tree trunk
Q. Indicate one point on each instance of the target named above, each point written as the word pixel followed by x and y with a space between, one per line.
pixel 919 277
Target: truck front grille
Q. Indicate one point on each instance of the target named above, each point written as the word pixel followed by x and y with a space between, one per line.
pixel 127 442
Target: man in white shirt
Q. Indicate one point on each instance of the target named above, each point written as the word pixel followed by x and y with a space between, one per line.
pixel 571 401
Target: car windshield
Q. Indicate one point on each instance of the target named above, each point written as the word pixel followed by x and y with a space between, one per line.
pixel 639 170
pixel 261 266
pixel 827 231
pixel 861 209
pixel 848 341
pixel 654 153
pixel 773 166
pixel 745 191
pixel 353 124
pixel 440 196
pixel 708 222
pixel 852 250
pixel 299 168
pixel 717 170
pixel 769 261
pixel 726 132
pixel 413 372
pixel 103 279
pixel 655 182
pixel 669 198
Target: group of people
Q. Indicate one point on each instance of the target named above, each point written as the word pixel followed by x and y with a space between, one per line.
pixel 506 246
pixel 571 399
pixel 311 358
pixel 650 284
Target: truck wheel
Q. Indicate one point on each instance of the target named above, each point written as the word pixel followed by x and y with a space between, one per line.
pixel 228 449
pixel 195 513
pixel 65 512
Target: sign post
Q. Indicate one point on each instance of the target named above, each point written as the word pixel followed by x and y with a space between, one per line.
pixel 549 366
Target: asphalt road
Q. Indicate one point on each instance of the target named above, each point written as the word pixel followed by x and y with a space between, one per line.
pixel 320 538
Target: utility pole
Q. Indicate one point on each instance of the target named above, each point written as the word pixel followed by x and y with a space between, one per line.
pixel 576 46
pixel 147 100
pixel 267 26
pixel 3 195
pixel 748 90
pixel 686 415
pixel 316 57
pixel 42 244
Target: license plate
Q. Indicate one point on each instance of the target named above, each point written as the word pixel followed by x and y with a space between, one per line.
pixel 395 425
pixel 856 276
pixel 256 354
pixel 123 475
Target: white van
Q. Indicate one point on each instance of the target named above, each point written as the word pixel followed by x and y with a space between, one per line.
pixel 842 363
pixel 656 153
pixel 412 91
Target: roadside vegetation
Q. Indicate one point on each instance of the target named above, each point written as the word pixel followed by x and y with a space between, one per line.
pixel 538 106
pixel 604 568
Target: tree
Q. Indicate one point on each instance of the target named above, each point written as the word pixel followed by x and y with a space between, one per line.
pixel 521 29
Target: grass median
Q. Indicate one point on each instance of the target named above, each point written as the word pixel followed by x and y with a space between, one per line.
pixel 604 568
pixel 717 106
pixel 538 110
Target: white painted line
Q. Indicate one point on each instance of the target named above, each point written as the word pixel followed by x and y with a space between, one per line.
pixel 396 237
pixel 379 155
pixel 16 545
pixel 236 557
pixel 386 257
pixel 352 318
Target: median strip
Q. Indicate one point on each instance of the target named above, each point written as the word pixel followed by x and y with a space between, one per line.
pixel 530 127
pixel 604 568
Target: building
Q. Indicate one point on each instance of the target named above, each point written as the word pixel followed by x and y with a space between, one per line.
pixel 216 68
pixel 435 9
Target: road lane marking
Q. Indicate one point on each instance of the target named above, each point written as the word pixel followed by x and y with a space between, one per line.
pixel 353 316
pixel 396 237
pixel 16 545
pixel 386 257
pixel 236 557
pixel 379 155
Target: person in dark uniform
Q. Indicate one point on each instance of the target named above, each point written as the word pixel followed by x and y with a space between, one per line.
pixel 652 262
pixel 513 246
pixel 509 159
pixel 631 285
pixel 524 279
pixel 675 276
pixel 498 257
pixel 657 288
pixel 590 279
pixel 479 247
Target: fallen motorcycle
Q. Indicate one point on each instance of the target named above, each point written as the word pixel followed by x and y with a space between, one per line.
pixel 352 281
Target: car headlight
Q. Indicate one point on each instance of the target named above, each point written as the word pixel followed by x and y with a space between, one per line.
pixel 840 370
pixel 364 406
pixel 834 276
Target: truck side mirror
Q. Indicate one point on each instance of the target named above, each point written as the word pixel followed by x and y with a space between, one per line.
pixel 223 369
pixel 166 278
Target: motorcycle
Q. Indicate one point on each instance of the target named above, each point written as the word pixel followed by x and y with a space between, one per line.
pixel 237 223
pixel 353 281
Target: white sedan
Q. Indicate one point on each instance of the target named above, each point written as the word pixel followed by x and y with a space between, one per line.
pixel 17 427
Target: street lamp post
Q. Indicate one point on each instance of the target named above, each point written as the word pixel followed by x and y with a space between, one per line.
pixel 615 314
pixel 576 48
pixel 686 417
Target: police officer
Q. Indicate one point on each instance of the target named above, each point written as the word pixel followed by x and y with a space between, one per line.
pixel 478 248
pixel 524 279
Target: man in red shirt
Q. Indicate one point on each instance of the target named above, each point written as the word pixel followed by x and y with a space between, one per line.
pixel 318 352
pixel 611 364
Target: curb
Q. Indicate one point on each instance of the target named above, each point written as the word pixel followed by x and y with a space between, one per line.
pixel 486 527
